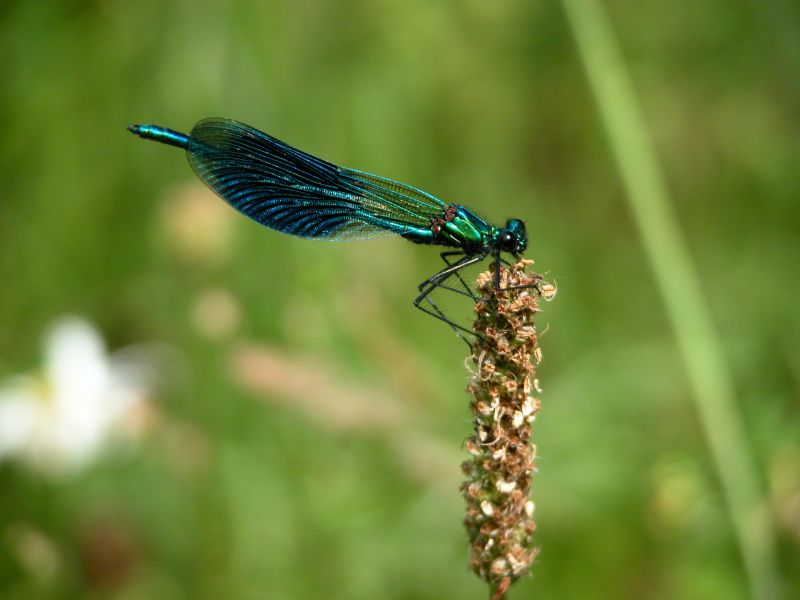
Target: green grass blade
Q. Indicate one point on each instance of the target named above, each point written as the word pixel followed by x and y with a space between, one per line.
pixel 679 285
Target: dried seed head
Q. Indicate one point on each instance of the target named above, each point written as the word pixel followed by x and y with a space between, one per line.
pixel 499 516
pixel 549 291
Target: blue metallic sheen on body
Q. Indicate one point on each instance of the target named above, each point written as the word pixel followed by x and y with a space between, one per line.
pixel 466 230
pixel 160 134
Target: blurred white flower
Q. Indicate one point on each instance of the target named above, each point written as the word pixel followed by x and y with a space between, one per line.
pixel 61 421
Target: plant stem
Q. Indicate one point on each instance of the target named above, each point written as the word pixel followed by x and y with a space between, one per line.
pixel 680 289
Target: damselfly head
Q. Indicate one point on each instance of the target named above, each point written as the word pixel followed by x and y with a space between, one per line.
pixel 513 238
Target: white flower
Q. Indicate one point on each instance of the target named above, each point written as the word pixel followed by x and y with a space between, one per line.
pixel 60 422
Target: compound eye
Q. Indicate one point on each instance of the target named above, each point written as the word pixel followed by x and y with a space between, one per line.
pixel 507 241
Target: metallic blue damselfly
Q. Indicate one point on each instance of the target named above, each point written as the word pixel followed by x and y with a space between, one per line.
pixel 291 191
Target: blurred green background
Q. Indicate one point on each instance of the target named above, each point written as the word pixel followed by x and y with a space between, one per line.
pixel 303 432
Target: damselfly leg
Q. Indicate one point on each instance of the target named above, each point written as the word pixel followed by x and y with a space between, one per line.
pixel 425 303
pixel 438 281
pixel 435 282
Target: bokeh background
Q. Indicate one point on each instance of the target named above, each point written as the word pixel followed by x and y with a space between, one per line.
pixel 192 406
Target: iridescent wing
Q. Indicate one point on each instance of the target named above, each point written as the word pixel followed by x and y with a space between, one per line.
pixel 296 193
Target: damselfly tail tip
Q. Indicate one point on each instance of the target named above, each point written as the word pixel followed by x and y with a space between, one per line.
pixel 160 134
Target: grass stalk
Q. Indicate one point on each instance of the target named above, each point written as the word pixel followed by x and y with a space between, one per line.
pixel 680 289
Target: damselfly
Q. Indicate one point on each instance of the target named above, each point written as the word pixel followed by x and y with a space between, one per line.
pixel 296 193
